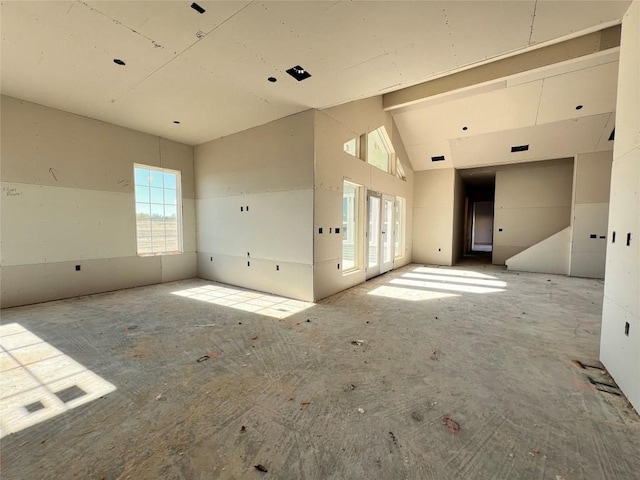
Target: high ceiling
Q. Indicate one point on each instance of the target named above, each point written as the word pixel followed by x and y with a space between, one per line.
pixel 209 70
pixel 557 111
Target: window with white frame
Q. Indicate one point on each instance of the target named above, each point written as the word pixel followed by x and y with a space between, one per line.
pixel 351 147
pixel 350 212
pixel 158 210
pixel 400 216
pixel 400 170
pixel 380 151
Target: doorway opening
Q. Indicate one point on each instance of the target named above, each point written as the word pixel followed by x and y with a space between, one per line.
pixel 380 234
pixel 479 195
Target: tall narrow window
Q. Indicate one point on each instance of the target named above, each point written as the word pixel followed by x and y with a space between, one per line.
pixel 350 209
pixel 158 210
pixel 379 149
pixel 400 226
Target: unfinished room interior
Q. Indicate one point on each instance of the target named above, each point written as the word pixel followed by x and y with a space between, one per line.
pixel 320 240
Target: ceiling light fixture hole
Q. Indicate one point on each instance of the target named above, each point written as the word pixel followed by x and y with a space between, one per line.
pixel 298 72
pixel 465 128
pixel 177 122
pixel 272 79
pixel 118 61
pixel 578 107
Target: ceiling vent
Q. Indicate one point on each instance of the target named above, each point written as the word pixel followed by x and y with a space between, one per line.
pixel 519 148
pixel 439 158
pixel 298 73
pixel 197 8
pixel 613 135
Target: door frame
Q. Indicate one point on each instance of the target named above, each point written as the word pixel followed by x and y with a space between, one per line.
pixel 389 234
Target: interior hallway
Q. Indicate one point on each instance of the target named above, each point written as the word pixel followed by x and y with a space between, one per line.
pixel 492 349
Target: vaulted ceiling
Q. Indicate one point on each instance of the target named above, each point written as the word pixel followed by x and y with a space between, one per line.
pixel 209 71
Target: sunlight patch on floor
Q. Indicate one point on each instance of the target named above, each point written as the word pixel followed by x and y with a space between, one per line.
pixel 452 272
pixel 445 286
pixel 444 277
pixel 38 381
pixel 245 300
pixel 411 294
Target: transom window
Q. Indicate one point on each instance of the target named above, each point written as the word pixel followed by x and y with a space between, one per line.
pixel 158 210
pixel 380 151
pixel 350 211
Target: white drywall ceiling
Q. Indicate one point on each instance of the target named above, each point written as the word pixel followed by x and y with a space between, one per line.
pixel 209 71
pixel 537 108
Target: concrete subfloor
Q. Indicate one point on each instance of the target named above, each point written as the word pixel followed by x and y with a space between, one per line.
pixel 286 393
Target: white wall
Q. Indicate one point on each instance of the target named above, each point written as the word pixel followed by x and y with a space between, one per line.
pixel 532 202
pixel 68 199
pixel 592 177
pixel 620 353
pixel 434 215
pixel 334 127
pixel 551 255
pixel 270 170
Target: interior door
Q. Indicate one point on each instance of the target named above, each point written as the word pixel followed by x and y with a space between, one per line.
pixel 374 203
pixel 387 234
pixel 482 228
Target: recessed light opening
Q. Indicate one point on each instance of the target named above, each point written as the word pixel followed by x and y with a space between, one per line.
pixel 197 8
pixel 118 61
pixel 519 148
pixel 465 128
pixel 177 122
pixel 272 79
pixel 298 72
pixel 578 107
pixel 439 158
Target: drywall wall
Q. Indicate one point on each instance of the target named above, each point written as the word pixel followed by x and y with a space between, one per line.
pixel 433 216
pixel 592 177
pixel 458 218
pixel 532 202
pixel 68 200
pixel 254 204
pixel 619 344
pixel 551 255
pixel 334 127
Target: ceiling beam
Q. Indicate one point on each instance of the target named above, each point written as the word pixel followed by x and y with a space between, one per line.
pixel 538 58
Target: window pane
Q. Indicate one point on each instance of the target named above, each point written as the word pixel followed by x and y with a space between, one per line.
pixel 158 223
pixel 144 245
pixel 377 152
pixel 380 151
pixel 141 176
pixel 170 180
pixel 170 197
pixel 156 195
pixel 400 213
pixel 349 226
pixel 351 147
pixel 155 178
pixel 143 210
pixel 170 211
pixel 157 211
pixel 142 194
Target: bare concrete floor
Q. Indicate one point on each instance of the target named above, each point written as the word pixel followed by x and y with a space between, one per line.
pixel 286 393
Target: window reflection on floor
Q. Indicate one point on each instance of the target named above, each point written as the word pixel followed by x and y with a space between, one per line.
pixel 38 381
pixel 427 283
pixel 246 300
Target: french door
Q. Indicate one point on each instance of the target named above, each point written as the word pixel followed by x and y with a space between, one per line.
pixel 380 238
